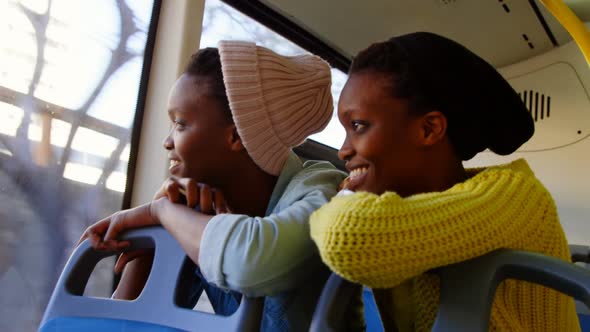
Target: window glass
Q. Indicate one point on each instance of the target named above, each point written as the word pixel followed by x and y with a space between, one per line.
pixel 69 83
pixel 222 22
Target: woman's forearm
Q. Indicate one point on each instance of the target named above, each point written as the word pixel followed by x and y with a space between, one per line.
pixel 183 223
pixel 133 278
pixel 383 240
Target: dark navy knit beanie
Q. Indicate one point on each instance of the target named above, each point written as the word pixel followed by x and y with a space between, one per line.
pixel 482 109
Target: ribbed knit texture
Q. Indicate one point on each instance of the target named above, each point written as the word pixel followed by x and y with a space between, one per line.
pixel 276 101
pixel 381 241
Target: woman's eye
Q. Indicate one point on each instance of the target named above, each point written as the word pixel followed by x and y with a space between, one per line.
pixel 358 125
pixel 179 123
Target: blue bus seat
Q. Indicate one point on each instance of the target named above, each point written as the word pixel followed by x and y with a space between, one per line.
pixel 372 317
pixel 581 255
pixel 468 288
pixel 153 310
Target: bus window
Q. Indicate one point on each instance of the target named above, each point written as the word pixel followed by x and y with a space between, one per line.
pixel 69 86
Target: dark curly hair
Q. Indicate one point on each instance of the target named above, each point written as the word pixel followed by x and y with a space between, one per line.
pixel 206 63
pixel 436 73
pixel 389 59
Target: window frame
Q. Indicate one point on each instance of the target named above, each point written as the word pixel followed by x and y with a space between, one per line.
pixel 290 30
pixel 141 104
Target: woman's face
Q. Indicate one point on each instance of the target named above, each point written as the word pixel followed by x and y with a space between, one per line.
pixel 381 148
pixel 197 144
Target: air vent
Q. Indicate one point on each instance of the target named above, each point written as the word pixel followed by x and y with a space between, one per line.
pixel 558 103
pixel 537 103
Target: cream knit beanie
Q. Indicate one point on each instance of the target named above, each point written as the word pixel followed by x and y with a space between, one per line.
pixel 276 101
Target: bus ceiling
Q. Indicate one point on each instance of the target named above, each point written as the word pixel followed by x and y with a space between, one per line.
pixel 503 32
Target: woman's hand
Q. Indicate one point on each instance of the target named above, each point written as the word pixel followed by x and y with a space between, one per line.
pixel 187 191
pixel 184 191
pixel 104 234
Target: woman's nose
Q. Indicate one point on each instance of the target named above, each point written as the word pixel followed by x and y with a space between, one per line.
pixel 168 143
pixel 346 151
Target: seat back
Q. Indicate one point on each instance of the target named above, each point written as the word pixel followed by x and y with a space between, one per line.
pixel 467 289
pixel 154 309
pixel 330 312
pixel 580 253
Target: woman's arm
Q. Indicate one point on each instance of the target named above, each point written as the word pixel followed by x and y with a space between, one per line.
pixel 261 255
pixel 266 255
pixel 134 278
pixel 253 255
pixel 135 266
pixel 183 223
pixel 381 241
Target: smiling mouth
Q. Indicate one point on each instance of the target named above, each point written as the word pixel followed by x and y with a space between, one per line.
pixel 357 177
pixel 173 163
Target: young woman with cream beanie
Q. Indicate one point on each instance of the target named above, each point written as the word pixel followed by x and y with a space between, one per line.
pixel 237 112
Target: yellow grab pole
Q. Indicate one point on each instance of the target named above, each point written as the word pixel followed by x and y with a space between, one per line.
pixel 571 23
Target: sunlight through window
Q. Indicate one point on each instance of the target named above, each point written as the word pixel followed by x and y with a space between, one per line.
pixel 116 181
pixel 59 132
pixel 67 68
pixel 82 173
pixel 125 153
pixel 93 142
pixel 11 118
pixel 6 152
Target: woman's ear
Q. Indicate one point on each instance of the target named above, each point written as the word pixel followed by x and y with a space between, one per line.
pixel 434 128
pixel 233 139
